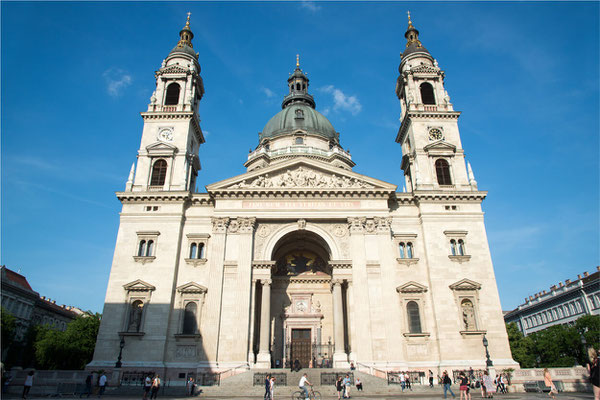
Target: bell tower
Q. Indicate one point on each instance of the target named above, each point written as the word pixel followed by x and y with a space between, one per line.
pixel 433 158
pixel 168 156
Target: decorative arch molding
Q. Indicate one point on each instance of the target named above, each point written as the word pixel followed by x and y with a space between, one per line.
pixel 292 227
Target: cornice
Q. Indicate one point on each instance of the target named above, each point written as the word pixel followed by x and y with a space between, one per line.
pixel 156 196
pixel 284 156
pixel 419 115
pixel 302 193
pixel 423 196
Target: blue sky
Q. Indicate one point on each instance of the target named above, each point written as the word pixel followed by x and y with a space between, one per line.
pixel 76 75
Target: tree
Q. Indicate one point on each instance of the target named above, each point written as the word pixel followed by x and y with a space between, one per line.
pixel 588 327
pixel 9 330
pixel 521 347
pixel 71 349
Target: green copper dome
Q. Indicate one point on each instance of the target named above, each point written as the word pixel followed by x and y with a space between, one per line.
pixel 298 116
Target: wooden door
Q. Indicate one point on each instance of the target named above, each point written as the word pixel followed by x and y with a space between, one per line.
pixel 301 347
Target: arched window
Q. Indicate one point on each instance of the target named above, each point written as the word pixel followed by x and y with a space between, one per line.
pixel 461 247
pixel 193 250
pixel 201 250
pixel 453 247
pixel 150 249
pixel 560 312
pixel 159 173
pixel 135 316
pixel 578 305
pixel 554 316
pixel 402 251
pixel 189 318
pixel 427 95
pixel 414 319
pixel 442 169
pixel 409 250
pixel 544 320
pixel 172 97
pixel 142 248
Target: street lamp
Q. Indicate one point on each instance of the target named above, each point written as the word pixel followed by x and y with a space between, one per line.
pixel 488 362
pixel 121 345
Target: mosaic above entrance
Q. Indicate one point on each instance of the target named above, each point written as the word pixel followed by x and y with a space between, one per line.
pixel 301 263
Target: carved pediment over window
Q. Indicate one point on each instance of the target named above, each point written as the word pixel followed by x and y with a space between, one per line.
pixel 440 148
pixel 172 69
pixel 192 287
pixel 161 149
pixel 139 286
pixel 425 69
pixel 411 287
pixel 465 284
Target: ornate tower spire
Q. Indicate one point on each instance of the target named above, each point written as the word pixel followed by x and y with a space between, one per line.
pixel 186 34
pixel 298 85
pixel 412 36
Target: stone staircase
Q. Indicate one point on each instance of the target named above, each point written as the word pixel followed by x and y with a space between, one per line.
pixel 242 384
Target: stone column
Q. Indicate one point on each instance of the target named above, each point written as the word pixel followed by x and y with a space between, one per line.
pixel 350 310
pixel 251 358
pixel 264 356
pixel 340 360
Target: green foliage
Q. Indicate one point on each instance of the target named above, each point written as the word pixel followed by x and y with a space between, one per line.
pixel 556 346
pixel 9 328
pixel 71 349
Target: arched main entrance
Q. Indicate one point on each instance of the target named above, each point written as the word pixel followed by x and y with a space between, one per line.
pixel 301 311
pixel 301 301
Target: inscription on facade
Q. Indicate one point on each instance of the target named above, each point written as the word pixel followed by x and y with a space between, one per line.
pixel 185 352
pixel 301 204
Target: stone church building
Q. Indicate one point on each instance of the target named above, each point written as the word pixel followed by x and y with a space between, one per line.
pixel 300 258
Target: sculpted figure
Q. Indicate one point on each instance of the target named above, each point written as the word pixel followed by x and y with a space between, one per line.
pixel 468 313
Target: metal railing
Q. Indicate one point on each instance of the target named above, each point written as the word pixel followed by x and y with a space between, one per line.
pixel 259 378
pixel 329 378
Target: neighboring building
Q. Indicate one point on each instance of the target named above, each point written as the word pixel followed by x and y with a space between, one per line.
pixel 300 257
pixel 26 305
pixel 563 304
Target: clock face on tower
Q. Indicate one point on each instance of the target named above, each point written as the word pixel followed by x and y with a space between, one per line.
pixel 165 135
pixel 435 134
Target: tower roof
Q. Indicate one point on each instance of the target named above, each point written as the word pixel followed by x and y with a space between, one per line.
pixel 413 44
pixel 185 42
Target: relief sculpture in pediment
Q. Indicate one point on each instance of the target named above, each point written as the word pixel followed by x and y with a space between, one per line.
pixel 303 177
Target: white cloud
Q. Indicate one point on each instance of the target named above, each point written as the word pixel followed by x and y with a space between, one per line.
pixel 116 80
pixel 206 133
pixel 268 92
pixel 310 5
pixel 341 101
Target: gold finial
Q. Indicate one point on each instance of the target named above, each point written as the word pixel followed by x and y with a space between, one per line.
pixel 409 21
pixel 297 60
pixel 187 23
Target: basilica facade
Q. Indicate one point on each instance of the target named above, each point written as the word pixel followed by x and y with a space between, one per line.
pixel 300 258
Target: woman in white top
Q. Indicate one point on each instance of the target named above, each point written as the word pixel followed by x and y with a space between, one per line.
pixel 28 384
pixel 272 387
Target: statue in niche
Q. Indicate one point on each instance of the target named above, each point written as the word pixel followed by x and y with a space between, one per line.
pixel 135 316
pixel 468 315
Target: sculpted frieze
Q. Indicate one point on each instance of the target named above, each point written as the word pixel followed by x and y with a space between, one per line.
pixel 302 177
pixel 370 225
pixel 220 224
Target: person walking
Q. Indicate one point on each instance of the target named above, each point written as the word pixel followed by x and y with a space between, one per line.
pixel 358 384
pixel 407 379
pixel 430 378
pixel 464 386
pixel 347 384
pixel 28 384
pixel 402 381
pixel 88 385
pixel 147 387
pixel 594 371
pixel 447 382
pixel 155 387
pixel 101 384
pixel 339 387
pixel 487 386
pixel 272 387
pixel 548 382
pixel 268 387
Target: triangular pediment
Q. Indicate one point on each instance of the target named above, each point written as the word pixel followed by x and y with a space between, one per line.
pixel 172 69
pixel 139 286
pixel 301 173
pixel 440 145
pixel 411 287
pixel 161 146
pixel 424 69
pixel 192 287
pixel 465 284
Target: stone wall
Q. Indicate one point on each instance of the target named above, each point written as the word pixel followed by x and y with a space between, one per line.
pixel 575 379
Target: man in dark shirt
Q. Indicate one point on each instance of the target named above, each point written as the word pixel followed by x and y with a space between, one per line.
pixel 268 387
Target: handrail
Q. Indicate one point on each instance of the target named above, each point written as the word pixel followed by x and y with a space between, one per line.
pixel 371 369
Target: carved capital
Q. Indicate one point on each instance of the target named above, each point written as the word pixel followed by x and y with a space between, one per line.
pixel 247 225
pixel 336 282
pixel 266 282
pixel 220 224
pixel 384 224
pixel 356 225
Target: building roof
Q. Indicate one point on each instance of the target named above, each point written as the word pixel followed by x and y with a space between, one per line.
pixel 15 278
pixel 298 116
